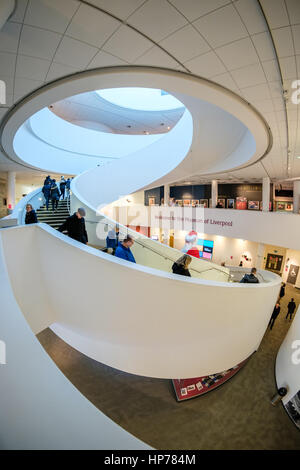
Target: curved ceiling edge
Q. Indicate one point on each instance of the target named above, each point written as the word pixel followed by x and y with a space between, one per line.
pixel 174 82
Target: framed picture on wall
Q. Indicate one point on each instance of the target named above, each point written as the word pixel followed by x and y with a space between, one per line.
pixel 195 202
pixel 274 262
pixel 230 203
pixel 253 205
pixel 221 202
pixel 289 206
pixel 204 202
pixel 241 203
pixel 261 206
pixel 186 202
pixel 151 201
pixel 179 202
pixel 280 206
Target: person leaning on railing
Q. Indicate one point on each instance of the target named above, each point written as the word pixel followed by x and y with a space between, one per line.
pixel 123 250
pixel 30 217
pixel 250 278
pixel 181 265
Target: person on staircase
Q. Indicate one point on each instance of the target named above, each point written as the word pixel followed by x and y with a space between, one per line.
pixel 68 186
pixel 123 250
pixel 181 266
pixel 62 187
pixel 30 217
pixel 112 240
pixel 54 195
pixel 46 191
pixel 75 226
pixel 48 180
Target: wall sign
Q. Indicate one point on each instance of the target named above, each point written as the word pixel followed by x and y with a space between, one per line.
pixel 293 273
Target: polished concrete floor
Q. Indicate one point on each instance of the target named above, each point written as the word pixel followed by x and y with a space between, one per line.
pixel 238 415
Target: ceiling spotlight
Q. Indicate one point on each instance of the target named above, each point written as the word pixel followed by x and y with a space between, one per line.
pixel 168 128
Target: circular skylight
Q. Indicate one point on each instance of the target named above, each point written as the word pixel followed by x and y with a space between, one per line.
pixel 141 99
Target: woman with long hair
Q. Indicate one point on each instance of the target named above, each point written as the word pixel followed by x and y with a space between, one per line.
pixel 181 265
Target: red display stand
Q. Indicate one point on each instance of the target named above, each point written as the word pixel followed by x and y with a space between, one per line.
pixel 191 388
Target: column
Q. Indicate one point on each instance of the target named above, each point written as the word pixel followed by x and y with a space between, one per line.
pixel 166 194
pixel 266 194
pixel 296 196
pixel 214 193
pixel 260 256
pixel 11 190
pixel 6 9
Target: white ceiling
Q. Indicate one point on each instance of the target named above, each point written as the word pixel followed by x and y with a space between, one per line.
pixel 226 41
pixel 89 109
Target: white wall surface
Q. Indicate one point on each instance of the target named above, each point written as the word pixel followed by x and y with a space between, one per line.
pixel 157 325
pixel 277 229
pixel 287 371
pixel 39 407
pixel 62 134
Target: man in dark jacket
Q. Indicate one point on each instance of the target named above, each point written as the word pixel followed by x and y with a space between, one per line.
pixel 46 191
pixel 62 187
pixel 291 309
pixel 275 314
pixel 55 195
pixel 250 278
pixel 75 226
pixel 282 291
pixel 123 250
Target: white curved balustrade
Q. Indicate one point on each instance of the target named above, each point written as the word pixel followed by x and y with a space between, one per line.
pixel 17 217
pixel 39 407
pixel 131 317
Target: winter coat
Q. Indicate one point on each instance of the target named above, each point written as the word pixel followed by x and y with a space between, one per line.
pixel 54 192
pixel 31 217
pixel 46 190
pixel 276 312
pixel 282 291
pixel 291 307
pixel 112 239
pixel 124 253
pixel 75 228
pixel 250 278
pixel 179 269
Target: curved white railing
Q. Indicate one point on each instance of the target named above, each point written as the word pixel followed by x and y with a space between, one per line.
pixel 131 317
pixel 17 217
pixel 39 407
